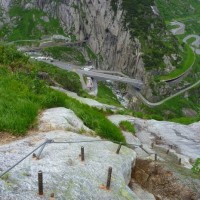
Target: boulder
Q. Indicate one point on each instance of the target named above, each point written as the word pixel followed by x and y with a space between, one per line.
pixel 60 119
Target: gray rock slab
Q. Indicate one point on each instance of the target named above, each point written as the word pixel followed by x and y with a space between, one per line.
pixel 60 119
pixel 131 139
pixel 64 173
pixel 185 138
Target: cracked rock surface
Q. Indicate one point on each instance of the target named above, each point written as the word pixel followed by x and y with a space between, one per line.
pixel 64 173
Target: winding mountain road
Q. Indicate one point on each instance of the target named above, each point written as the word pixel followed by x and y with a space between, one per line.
pixel 135 83
pixel 150 104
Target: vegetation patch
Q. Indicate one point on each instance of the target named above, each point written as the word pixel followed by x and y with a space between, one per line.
pixel 105 95
pixel 127 126
pixel 196 166
pixel 178 9
pixel 151 31
pixel 30 24
pixel 69 80
pixel 188 61
pixel 171 110
pixel 21 99
pixel 95 120
pixel 91 54
pixel 23 95
pixel 68 54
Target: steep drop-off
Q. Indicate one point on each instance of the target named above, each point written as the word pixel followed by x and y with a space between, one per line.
pixel 127 36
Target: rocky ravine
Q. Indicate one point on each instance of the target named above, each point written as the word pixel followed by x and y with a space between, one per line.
pixel 96 21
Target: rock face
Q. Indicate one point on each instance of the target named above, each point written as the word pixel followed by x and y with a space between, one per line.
pixel 96 21
pixel 4 7
pixel 64 173
pixel 184 139
pixel 60 119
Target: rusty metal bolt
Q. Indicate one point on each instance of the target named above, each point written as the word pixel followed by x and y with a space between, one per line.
pixel 156 169
pixel 40 183
pixel 118 149
pixel 52 195
pixel 34 155
pixel 82 154
pixel 156 157
pixel 109 178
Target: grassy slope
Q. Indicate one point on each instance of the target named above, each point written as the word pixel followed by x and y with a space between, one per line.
pixel 30 25
pixel 172 109
pixel 23 95
pixel 127 126
pixel 105 95
pixel 178 9
pixel 150 30
pixel 68 54
pixel 188 60
pixel 188 13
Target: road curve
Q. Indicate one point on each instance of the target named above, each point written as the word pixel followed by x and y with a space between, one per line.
pixel 150 104
pixel 138 94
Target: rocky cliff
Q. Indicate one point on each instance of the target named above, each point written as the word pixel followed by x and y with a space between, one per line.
pixel 95 21
pixel 118 46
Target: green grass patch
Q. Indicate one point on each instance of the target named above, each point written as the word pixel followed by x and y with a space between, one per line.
pixel 30 25
pixel 91 54
pixel 196 166
pixel 191 40
pixel 188 60
pixel 173 26
pixel 178 9
pixel 68 54
pixel 127 126
pixel 95 120
pixel 21 99
pixel 69 80
pixel 105 95
pixel 23 95
pixel 171 110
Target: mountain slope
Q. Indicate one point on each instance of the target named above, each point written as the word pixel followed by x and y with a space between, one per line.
pixel 125 35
